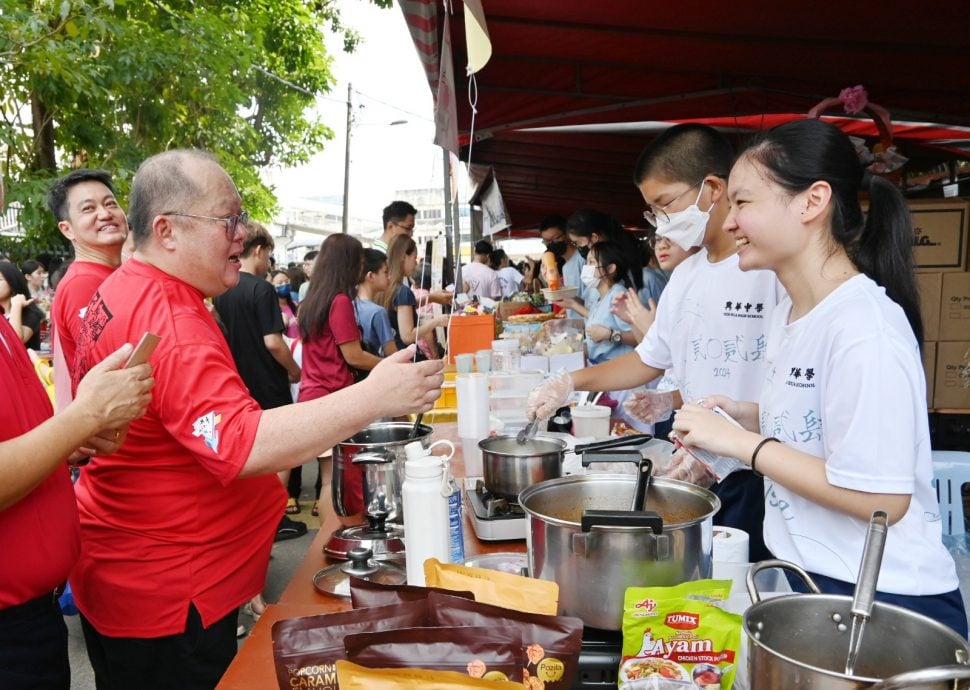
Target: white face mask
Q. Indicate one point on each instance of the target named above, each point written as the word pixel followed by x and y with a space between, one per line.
pixel 686 228
pixel 589 277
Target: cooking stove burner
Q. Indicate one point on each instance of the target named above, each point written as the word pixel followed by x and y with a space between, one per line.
pixel 494 506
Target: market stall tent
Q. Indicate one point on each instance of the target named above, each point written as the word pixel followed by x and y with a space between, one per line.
pixel 574 89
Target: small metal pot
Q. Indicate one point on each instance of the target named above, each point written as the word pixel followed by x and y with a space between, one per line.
pixel 801 640
pixel 583 536
pixel 368 470
pixel 509 467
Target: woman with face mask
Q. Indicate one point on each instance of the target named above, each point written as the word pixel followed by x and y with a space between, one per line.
pixel 281 281
pixel 605 278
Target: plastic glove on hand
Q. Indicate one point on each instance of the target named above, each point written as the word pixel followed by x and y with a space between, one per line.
pixel 686 468
pixel 550 396
pixel 650 406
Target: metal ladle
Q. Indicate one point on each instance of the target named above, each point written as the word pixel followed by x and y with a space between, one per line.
pixel 865 589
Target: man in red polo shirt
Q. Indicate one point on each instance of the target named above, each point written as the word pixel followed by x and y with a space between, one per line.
pixel 176 527
pixel 89 215
pixel 38 516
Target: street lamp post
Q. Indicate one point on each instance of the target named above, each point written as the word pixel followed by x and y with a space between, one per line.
pixel 346 214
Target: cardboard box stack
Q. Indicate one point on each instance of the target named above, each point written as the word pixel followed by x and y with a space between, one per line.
pixel 940 246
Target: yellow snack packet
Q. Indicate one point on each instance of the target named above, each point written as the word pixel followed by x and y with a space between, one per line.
pixel 350 676
pixel 494 587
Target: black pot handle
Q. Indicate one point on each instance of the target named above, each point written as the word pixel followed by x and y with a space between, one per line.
pixel 622 518
pixel 593 456
pixel 632 440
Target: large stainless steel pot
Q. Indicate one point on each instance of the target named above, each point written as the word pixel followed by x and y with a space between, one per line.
pixel 583 536
pixel 368 470
pixel 801 640
pixel 509 467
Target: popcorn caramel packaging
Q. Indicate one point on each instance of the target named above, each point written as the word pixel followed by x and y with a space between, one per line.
pixel 305 649
pixel 494 587
pixel 679 637
pixel 550 644
pixel 487 653
pixel 354 677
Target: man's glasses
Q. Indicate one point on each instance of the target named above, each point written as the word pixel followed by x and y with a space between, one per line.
pixel 652 215
pixel 561 238
pixel 232 222
pixel 407 228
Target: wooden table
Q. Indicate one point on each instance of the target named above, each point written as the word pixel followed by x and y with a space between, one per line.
pixel 252 669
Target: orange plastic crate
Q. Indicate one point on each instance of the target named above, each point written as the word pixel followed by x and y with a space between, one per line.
pixel 469 334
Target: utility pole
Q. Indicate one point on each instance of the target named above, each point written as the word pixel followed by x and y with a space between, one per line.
pixel 350 117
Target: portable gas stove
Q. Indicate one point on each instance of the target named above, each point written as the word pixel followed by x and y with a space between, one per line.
pixel 493 518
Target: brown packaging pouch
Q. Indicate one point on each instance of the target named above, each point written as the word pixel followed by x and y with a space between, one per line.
pixel 494 587
pixel 365 593
pixel 487 653
pixel 550 644
pixel 305 649
pixel 354 677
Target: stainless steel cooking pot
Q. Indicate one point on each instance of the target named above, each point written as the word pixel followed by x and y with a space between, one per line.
pixel 509 467
pixel 368 470
pixel 801 640
pixel 583 536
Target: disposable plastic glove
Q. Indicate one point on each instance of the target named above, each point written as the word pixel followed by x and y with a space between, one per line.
pixel 650 406
pixel 550 396
pixel 686 468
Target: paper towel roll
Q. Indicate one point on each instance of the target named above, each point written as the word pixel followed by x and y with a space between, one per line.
pixel 730 545
pixel 472 390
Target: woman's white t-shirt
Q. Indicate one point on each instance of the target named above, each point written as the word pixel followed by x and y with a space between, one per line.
pixel 845 383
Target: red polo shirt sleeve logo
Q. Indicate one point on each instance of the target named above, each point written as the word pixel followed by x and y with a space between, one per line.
pixel 205 426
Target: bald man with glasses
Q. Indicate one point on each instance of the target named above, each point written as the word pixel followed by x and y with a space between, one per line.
pixel 177 524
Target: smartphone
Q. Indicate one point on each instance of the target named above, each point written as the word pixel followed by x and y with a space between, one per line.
pixel 143 350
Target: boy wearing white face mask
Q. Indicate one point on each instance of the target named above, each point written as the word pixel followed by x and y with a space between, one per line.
pixel 709 333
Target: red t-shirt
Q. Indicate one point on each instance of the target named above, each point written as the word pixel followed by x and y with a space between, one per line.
pixel 324 368
pixel 165 521
pixel 39 533
pixel 71 299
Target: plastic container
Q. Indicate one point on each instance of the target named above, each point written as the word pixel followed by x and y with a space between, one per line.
pixel 506 355
pixel 426 519
pixel 515 383
pixel 591 420
pixel 469 333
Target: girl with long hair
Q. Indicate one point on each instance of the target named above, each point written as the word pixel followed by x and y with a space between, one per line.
pixel 18 307
pixel 399 299
pixel 840 428
pixel 329 332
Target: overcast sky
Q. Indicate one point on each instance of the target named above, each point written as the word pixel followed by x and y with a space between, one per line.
pixel 386 72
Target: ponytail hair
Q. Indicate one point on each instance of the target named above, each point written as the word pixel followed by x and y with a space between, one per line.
pixel 798 154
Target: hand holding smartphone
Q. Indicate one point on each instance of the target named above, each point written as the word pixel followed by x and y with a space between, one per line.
pixel 143 350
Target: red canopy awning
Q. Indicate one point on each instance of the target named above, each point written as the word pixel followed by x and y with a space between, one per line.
pixel 740 66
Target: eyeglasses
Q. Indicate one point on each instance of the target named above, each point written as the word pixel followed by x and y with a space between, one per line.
pixel 232 222
pixel 407 228
pixel 560 238
pixel 651 215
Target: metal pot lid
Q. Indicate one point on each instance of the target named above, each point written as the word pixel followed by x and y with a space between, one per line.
pixel 385 544
pixel 335 579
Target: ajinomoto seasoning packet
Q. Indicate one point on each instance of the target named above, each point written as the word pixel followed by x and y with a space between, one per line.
pixel 679 636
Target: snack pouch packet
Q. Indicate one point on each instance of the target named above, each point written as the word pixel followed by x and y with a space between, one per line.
pixel 550 644
pixel 679 636
pixel 481 652
pixel 365 594
pixel 494 587
pixel 305 648
pixel 354 677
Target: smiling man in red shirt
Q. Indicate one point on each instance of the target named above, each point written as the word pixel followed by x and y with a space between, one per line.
pixel 177 525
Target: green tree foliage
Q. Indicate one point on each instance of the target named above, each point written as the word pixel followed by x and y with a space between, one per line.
pixel 102 83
